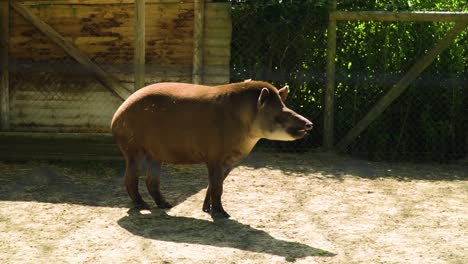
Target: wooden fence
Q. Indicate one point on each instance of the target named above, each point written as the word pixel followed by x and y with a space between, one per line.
pixel 68 64
pixel 161 40
pixel 461 23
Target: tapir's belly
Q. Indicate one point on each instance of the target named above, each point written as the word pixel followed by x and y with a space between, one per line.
pixel 180 151
pixel 181 140
pixel 185 132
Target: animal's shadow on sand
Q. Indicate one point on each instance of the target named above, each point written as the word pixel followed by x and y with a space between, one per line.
pixel 158 225
pixel 93 183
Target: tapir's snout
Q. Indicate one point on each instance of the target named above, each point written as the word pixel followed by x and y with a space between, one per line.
pixel 308 126
pixel 304 123
pixel 299 126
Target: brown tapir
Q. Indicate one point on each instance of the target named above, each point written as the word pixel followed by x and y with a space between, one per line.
pixel 185 124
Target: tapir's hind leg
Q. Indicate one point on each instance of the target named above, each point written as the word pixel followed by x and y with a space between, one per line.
pixel 131 182
pixel 153 182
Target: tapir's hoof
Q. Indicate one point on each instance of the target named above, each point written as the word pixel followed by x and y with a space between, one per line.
pixel 142 206
pixel 219 214
pixel 164 205
pixel 206 208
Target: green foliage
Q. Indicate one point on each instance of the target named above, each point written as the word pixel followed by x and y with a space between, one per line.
pixel 285 42
pixel 277 41
pixel 403 5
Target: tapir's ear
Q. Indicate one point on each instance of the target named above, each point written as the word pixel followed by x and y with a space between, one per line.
pixel 263 96
pixel 283 92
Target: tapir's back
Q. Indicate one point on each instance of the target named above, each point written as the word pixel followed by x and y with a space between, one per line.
pixel 179 123
pixel 163 92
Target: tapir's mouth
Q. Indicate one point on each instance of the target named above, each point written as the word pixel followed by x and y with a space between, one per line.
pixel 303 132
pixel 299 133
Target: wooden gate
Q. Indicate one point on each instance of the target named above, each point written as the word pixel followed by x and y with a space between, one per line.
pixel 461 22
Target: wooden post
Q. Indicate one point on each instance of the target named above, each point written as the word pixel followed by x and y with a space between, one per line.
pixel 328 118
pixel 107 80
pixel 465 158
pixel 4 72
pixel 139 59
pixel 198 35
pixel 401 86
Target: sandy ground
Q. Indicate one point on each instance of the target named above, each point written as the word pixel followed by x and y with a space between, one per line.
pixel 304 208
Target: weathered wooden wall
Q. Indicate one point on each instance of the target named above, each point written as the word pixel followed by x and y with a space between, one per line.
pixel 49 91
pixel 217 43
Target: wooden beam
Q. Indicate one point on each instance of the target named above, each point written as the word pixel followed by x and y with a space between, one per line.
pixel 409 16
pixel 466 143
pixel 139 59
pixel 4 72
pixel 401 86
pixel 198 35
pixel 88 137
pixel 101 2
pixel 328 118
pixel 58 146
pixel 106 79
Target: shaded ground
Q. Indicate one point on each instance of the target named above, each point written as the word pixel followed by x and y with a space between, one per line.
pixel 307 208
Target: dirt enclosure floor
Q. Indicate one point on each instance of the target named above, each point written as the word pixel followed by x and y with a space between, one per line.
pixel 305 208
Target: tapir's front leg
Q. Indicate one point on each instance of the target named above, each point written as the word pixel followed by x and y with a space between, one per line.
pixel 217 174
pixel 207 201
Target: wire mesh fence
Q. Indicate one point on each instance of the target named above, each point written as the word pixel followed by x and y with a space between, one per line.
pixel 58 96
pixel 279 45
pixel 284 42
pixel 427 120
pixel 49 90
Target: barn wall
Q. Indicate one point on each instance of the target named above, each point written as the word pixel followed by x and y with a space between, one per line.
pixel 217 43
pixel 51 92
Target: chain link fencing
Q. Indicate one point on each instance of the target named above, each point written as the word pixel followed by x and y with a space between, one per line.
pixel 49 90
pixel 58 96
pixel 279 45
pixel 284 42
